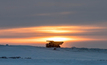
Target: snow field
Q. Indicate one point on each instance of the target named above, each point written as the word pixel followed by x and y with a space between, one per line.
pixel 48 56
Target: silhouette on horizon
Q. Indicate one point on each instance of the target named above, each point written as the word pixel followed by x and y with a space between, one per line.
pixel 52 43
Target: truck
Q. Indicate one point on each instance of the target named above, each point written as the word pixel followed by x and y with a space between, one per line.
pixel 54 44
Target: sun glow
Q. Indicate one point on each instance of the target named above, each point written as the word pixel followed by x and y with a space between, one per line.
pixel 39 34
pixel 58 39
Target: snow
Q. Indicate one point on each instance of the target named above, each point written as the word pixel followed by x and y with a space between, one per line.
pixel 48 56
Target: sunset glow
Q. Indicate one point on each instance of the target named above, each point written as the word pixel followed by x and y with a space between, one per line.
pixel 34 22
pixel 58 39
pixel 40 34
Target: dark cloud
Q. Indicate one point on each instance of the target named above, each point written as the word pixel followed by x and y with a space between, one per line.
pixel 20 13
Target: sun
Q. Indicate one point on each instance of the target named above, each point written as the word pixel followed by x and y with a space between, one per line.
pixel 57 39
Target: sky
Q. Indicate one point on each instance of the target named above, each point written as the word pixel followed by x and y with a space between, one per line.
pixel 79 23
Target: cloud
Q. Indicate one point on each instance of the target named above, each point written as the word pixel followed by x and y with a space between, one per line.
pixel 81 19
pixel 39 34
pixel 54 14
pixel 41 31
pixel 25 13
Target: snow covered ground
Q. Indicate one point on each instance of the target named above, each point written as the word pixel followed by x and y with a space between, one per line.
pixel 48 56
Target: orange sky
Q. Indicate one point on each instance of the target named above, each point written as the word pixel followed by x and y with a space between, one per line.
pixel 39 34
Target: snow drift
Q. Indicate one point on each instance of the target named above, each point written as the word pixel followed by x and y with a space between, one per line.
pixel 48 56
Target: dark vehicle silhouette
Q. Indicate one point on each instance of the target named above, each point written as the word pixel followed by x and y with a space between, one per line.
pixel 54 44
